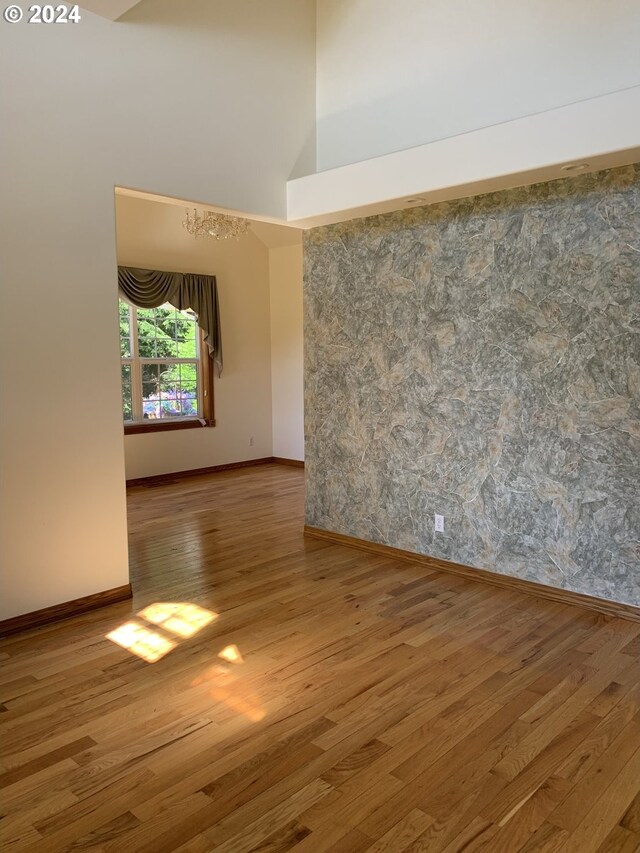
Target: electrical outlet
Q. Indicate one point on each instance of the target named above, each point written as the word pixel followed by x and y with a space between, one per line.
pixel 251 441
pixel 438 523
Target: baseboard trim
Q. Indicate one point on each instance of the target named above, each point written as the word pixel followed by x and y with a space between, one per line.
pixel 563 596
pixel 294 463
pixel 156 479
pixel 196 472
pixel 65 610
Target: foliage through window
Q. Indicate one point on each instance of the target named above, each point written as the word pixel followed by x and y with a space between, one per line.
pixel 159 348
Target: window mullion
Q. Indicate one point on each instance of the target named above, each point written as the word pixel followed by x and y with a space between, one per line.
pixel 136 371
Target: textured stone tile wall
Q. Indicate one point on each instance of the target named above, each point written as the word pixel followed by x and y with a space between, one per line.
pixel 481 359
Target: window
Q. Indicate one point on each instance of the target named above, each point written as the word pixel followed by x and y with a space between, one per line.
pixel 166 369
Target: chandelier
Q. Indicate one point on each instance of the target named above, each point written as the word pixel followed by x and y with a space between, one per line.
pixel 216 225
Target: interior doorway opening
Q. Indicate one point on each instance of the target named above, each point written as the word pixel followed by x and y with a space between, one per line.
pixel 187 404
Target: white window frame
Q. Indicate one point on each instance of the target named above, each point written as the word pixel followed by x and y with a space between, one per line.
pixel 135 362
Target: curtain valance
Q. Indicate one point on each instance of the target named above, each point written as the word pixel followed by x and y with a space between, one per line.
pixel 151 288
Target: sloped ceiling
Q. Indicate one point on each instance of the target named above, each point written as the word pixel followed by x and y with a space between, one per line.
pixel 111 9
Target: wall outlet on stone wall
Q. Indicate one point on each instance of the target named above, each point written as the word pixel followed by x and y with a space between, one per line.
pixel 438 523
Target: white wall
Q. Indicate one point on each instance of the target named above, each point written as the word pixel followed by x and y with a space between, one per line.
pixel 150 235
pixel 187 99
pixel 600 133
pixel 394 75
pixel 285 274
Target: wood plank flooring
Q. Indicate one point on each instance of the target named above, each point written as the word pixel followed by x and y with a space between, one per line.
pixel 360 703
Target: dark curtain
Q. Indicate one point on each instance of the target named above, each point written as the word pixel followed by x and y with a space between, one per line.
pixel 151 288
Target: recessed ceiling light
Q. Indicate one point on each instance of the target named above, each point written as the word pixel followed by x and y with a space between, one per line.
pixel 575 167
pixel 414 200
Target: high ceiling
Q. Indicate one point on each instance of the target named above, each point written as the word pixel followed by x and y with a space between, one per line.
pixel 111 9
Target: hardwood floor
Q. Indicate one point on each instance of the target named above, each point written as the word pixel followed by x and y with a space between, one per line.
pixel 360 703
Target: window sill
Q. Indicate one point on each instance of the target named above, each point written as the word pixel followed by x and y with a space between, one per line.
pixel 166 426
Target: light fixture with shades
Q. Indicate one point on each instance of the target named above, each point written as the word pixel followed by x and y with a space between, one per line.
pixel 216 225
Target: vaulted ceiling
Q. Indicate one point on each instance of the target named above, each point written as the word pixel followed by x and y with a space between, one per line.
pixel 111 9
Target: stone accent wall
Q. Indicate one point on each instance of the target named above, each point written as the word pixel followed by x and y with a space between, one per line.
pixel 481 359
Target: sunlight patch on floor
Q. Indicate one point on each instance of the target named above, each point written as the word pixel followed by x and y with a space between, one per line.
pixel 141 641
pixel 182 619
pixel 172 622
pixel 231 654
pixel 163 626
